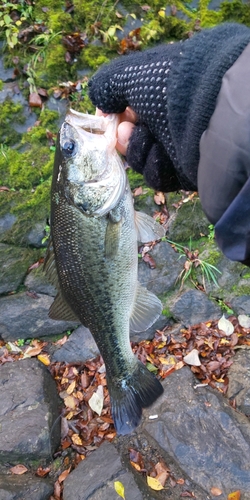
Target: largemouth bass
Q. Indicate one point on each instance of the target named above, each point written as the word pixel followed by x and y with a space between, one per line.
pixel 93 258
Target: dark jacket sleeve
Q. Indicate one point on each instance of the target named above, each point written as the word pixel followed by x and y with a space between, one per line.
pixel 224 167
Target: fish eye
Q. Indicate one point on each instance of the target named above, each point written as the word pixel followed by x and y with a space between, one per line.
pixel 69 148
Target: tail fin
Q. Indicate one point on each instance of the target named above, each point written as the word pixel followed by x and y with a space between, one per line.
pixel 130 395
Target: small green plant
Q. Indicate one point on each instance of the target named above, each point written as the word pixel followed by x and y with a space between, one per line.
pixel 47 233
pixel 192 263
pixel 20 342
pixel 225 307
pixel 211 232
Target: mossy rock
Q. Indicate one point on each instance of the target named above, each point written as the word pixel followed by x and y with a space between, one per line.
pixel 188 223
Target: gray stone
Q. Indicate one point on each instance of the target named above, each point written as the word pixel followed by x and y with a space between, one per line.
pixel 169 265
pixel 239 381
pixel 23 317
pixel 241 305
pixel 199 430
pixel 80 347
pixel 25 487
pixel 37 281
pixel 29 424
pixel 6 222
pixel 35 236
pixel 94 478
pixel 193 306
pixel 14 264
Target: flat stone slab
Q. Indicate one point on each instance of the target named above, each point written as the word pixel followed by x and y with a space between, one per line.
pixel 199 430
pixel 193 307
pixel 94 478
pixel 25 317
pixel 25 487
pixel 28 412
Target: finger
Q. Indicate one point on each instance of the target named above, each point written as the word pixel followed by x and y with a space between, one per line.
pixel 124 132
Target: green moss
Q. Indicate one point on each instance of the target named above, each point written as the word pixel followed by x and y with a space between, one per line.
pixel 235 11
pixel 208 18
pixel 60 21
pixel 10 113
pixel 93 56
pixel 1 85
pixel 239 290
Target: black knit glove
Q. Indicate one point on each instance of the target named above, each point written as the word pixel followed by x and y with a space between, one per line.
pixel 140 81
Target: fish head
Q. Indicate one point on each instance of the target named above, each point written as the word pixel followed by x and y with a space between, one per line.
pixel 89 171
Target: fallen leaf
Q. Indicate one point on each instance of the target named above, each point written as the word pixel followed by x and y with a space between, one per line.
pixel 44 358
pixel 43 472
pixel 19 469
pixel 192 358
pixel 119 488
pixel 71 387
pixel 244 320
pixel 64 474
pixel 96 400
pixel 70 402
pixel 235 495
pixel 216 492
pixel 159 198
pixel 225 325
pixel 32 351
pixel 35 100
pixel 76 439
pixel 154 484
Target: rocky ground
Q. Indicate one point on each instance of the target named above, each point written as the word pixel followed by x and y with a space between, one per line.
pixel 195 438
pixel 203 441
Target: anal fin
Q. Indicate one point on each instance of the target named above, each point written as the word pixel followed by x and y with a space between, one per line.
pixel 60 310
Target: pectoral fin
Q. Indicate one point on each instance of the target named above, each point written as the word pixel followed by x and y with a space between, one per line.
pixel 147 309
pixel 147 228
pixel 112 238
pixel 60 310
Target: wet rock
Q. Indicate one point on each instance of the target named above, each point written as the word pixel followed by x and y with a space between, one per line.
pixel 14 263
pixel 199 430
pixel 29 430
pixel 25 487
pixel 193 306
pixel 180 230
pixel 38 282
pixel 22 317
pixel 239 381
pixel 94 478
pixel 169 264
pixel 80 347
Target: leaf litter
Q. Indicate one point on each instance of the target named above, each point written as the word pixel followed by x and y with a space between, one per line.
pixel 86 419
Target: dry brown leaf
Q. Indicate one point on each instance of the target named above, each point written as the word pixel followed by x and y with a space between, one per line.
pixel 159 198
pixel 32 351
pixel 64 474
pixel 216 492
pixel 18 469
pixel 71 387
pixel 70 402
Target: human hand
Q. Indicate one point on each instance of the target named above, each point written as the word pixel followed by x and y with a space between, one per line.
pixel 135 88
